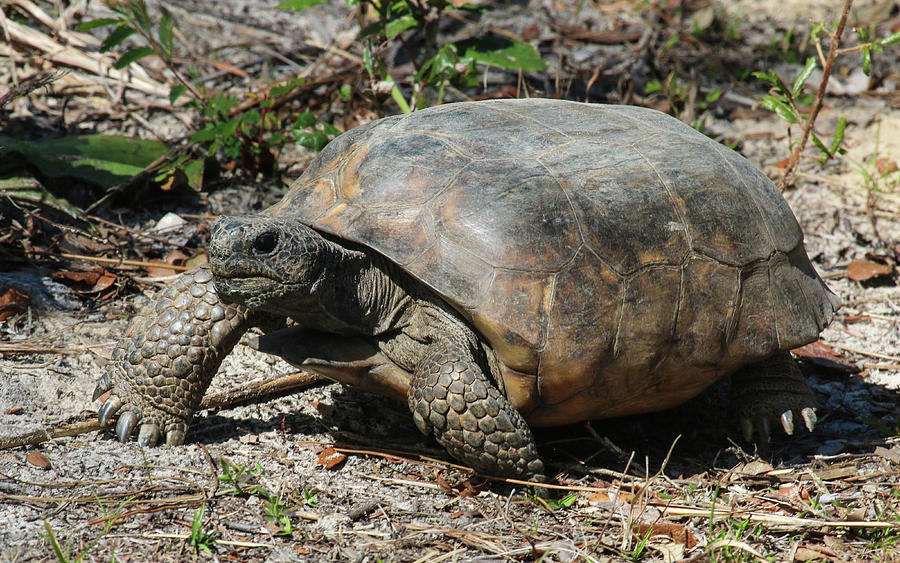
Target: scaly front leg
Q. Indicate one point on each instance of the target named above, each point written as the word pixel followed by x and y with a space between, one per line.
pixel 452 399
pixel 170 353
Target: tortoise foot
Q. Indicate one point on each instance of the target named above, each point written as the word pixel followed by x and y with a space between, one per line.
pixel 771 393
pixel 171 350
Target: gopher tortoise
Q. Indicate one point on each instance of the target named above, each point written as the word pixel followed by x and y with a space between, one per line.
pixel 499 265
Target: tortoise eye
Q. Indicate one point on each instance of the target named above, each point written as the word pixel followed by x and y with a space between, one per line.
pixel 265 243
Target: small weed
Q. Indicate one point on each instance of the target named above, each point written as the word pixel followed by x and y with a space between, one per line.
pixel 636 553
pixel 554 504
pixel 200 539
pixel 309 498
pixel 64 556
pixel 247 482
pixel 687 104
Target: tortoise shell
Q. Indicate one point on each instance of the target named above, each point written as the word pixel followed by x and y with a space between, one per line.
pixel 615 260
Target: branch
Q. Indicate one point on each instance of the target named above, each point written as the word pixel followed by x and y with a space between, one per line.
pixel 820 95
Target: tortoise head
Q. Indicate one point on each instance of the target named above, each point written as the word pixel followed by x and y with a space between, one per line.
pixel 266 263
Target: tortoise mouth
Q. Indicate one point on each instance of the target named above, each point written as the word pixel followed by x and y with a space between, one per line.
pixel 242 288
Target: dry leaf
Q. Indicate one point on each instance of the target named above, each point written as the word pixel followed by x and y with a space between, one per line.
pixel 329 458
pixel 824 356
pixel 862 270
pixel 885 166
pixel 672 530
pixel 13 302
pixel 37 459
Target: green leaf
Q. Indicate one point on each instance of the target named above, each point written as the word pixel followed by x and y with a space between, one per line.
pixel 502 52
pixel 104 160
pixel 838 137
pixel 783 110
pixel 117 35
pixel 285 88
pixel 176 91
pixel 867 59
pixel 801 79
pixel 133 55
pixel 714 95
pixel 345 92
pixel 819 144
pixel 369 61
pixel 101 22
pixel 299 4
pixel 890 39
pixel 312 133
pixel 166 26
pixel 305 119
pixel 29 189
pixel 652 86
pixel 399 25
pixel 397 95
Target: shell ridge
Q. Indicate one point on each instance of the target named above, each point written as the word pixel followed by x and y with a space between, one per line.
pixel 759 211
pixel 529 118
pixel 673 200
pixel 569 201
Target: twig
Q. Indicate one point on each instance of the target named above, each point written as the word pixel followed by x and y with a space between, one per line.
pixel 32 83
pixel 865 353
pixel 231 398
pixel 820 95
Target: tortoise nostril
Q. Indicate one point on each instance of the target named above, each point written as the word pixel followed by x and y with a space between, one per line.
pixel 265 243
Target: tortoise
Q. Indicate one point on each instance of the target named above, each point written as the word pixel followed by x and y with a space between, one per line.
pixel 499 265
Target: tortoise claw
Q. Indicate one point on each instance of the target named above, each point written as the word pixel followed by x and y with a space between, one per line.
pixel 126 425
pixel 765 430
pixel 809 418
pixel 175 437
pixel 787 422
pixel 148 435
pixel 107 409
pixel 102 387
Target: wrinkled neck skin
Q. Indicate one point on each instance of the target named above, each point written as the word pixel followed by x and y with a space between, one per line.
pixel 354 293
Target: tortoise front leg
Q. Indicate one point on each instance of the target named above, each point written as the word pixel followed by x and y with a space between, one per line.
pixel 170 353
pixel 772 391
pixel 452 399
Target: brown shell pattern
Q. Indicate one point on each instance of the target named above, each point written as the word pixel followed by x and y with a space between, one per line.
pixel 616 260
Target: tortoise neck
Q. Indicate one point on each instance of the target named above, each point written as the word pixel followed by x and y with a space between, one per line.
pixel 359 291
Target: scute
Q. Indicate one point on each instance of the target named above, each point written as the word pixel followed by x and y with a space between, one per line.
pixel 615 260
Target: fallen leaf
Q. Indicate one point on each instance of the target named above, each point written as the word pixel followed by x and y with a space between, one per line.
pixel 809 554
pixel 37 459
pixel 329 458
pixel 862 270
pixel 825 356
pixel 14 410
pixel 672 530
pixel 13 302
pixel 885 166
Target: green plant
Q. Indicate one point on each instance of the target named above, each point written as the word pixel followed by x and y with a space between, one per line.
pixel 64 555
pixel 686 104
pixel 200 539
pixel 554 504
pixel 784 101
pixel 309 498
pixel 635 553
pixel 435 65
pixel 249 134
pixel 247 482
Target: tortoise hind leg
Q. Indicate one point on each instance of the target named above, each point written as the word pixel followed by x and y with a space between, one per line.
pixel 452 399
pixel 772 390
